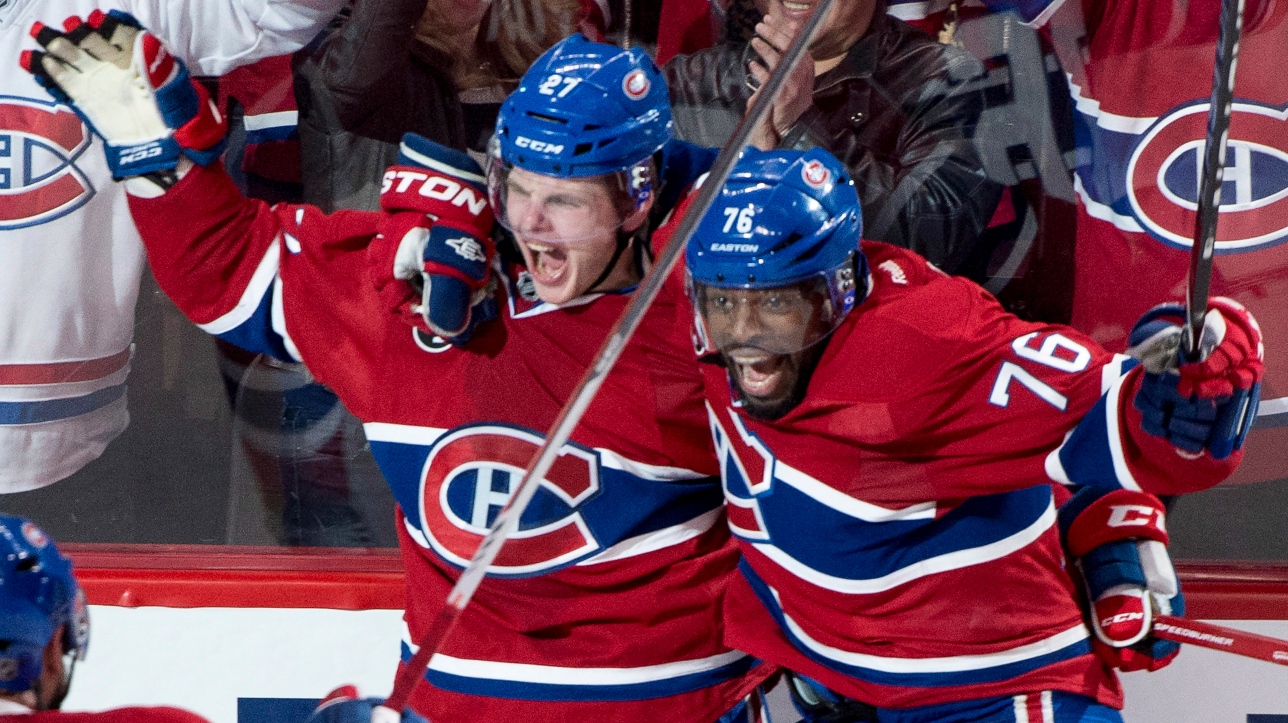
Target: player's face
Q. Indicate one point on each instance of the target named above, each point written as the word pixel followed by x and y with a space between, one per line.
pixel 566 229
pixel 767 338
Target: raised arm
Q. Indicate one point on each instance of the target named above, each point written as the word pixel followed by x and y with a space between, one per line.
pixel 216 36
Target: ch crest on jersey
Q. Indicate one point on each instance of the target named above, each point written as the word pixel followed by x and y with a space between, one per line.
pixel 470 474
pixel 39 179
pixel 747 472
pixel 1164 168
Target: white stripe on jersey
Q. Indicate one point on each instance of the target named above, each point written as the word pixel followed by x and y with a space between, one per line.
pixel 1101 212
pixel 841 502
pixel 1121 468
pixel 260 282
pixel 658 539
pixel 930 566
pixel 560 675
pixel 280 119
pixel 951 664
pixel 1103 118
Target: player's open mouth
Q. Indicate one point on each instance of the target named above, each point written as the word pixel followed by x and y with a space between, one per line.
pixel 758 373
pixel 549 262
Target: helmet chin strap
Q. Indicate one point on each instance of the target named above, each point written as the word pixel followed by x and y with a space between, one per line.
pixel 624 241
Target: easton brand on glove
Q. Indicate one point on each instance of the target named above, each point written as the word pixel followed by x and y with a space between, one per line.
pixel 431 262
pixel 124 83
pixel 1118 541
pixel 1209 404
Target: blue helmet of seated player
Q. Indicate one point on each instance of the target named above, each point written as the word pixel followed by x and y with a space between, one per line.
pixel 44 622
pixel 573 165
pixel 774 268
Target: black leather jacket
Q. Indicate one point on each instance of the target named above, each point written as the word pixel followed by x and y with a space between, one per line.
pixel 899 111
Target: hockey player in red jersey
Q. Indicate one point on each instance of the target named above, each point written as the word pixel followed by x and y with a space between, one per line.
pixel 604 606
pixel 1140 74
pixel 44 630
pixel 890 439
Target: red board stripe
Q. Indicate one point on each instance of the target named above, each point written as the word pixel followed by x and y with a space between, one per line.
pixel 187 576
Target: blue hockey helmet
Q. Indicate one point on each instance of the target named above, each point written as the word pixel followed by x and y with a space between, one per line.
pixel 38 596
pixel 782 241
pixel 583 110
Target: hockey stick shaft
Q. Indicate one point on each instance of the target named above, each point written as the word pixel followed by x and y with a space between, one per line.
pixel 1209 198
pixel 507 521
pixel 1219 637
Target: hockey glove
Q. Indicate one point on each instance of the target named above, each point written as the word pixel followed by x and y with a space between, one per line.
pixel 431 262
pixel 1209 404
pixel 1118 543
pixel 343 705
pixel 130 90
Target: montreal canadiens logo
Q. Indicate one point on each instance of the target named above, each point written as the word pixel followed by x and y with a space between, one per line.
pixel 35 536
pixel 1164 169
pixel 39 179
pixel 636 84
pixel 816 174
pixel 471 473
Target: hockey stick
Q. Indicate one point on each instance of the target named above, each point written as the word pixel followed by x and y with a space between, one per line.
pixel 1209 199
pixel 1218 637
pixel 507 521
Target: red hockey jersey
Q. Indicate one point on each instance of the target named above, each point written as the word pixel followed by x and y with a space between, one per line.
pixel 11 713
pixel 898 527
pixel 1141 80
pixel 604 606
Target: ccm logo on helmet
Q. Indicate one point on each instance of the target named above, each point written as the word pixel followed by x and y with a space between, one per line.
pixel 436 187
pixel 636 84
pixel 538 146
pixel 1135 516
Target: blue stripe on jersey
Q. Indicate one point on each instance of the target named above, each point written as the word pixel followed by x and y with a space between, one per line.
pixel 578 691
pixel 1087 456
pixel 256 334
pixel 49 410
pixel 1028 10
pixel 272 133
pixel 1102 162
pixel 934 679
pixel 836 544
pixel 401 463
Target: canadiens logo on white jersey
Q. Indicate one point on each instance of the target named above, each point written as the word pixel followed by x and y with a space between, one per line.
pixel 1164 168
pixel 471 473
pixel 40 143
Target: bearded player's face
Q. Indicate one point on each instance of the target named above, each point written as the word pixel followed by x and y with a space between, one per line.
pixel 566 229
pixel 753 329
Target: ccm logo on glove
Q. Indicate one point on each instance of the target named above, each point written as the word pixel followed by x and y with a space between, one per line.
pixel 1136 515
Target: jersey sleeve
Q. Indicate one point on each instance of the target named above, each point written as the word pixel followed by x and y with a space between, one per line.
pixel 1025 403
pixel 216 37
pixel 286 280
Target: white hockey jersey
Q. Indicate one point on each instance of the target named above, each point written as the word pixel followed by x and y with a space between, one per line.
pixel 70 258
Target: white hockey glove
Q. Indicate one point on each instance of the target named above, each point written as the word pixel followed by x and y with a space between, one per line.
pixel 123 82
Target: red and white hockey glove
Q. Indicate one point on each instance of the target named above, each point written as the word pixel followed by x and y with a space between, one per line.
pixel 345 705
pixel 431 262
pixel 1209 404
pixel 1118 542
pixel 131 91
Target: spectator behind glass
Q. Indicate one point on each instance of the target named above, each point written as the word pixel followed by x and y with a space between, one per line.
pixel 898 108
pixel 439 69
